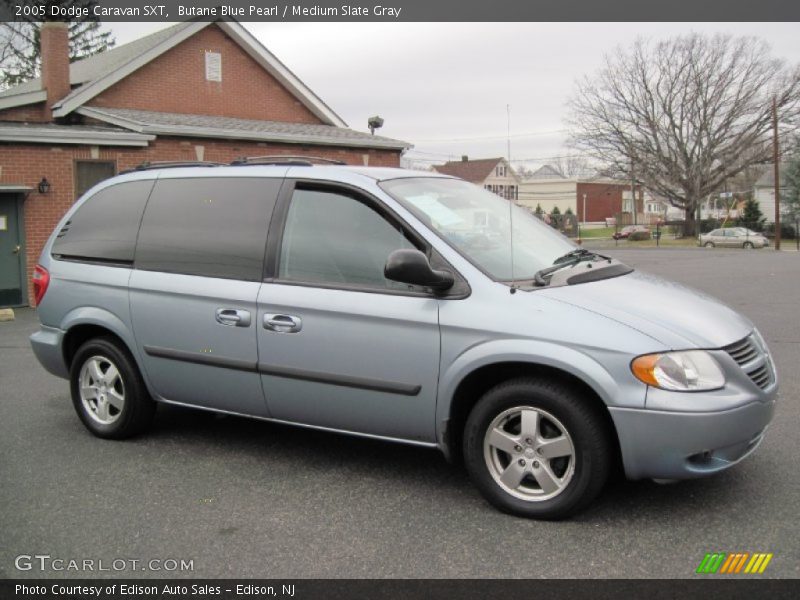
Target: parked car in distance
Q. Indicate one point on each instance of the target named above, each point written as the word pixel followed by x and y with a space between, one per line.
pixel 733 237
pixel 626 231
pixel 397 306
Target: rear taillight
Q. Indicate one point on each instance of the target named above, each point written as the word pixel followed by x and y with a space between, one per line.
pixel 41 279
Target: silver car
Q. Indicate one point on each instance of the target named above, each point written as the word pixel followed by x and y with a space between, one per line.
pixel 401 306
pixel 733 237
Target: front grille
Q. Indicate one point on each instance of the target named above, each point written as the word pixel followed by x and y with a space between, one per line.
pixel 744 351
pixel 747 351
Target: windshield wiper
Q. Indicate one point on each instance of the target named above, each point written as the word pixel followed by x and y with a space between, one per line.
pixel 541 278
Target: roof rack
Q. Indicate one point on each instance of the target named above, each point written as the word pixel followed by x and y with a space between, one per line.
pixel 286 160
pixel 172 164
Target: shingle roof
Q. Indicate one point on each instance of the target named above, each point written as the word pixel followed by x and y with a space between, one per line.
pixel 474 171
pixel 161 123
pixel 88 69
pixel 546 172
pixel 92 75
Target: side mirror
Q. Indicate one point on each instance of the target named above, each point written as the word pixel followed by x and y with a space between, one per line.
pixel 412 267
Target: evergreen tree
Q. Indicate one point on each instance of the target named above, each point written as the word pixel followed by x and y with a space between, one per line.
pixel 555 211
pixel 752 216
pixel 20 44
pixel 790 194
pixel 568 211
pixel 538 212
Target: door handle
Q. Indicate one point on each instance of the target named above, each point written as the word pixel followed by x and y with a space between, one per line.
pixel 16 249
pixel 233 317
pixel 282 323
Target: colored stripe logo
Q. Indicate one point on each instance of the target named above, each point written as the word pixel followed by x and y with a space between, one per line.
pixel 734 563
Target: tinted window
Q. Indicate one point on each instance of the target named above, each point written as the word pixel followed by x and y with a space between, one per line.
pixel 336 239
pixel 105 226
pixel 215 227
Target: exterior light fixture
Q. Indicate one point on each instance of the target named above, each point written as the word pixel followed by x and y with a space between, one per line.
pixel 44 186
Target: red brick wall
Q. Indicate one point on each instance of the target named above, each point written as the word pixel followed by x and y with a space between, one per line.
pixel 176 82
pixel 603 200
pixel 32 113
pixel 27 164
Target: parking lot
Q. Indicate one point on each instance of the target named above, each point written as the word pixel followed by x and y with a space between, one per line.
pixel 244 498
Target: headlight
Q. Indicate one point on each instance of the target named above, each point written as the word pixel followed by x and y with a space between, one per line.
pixel 685 371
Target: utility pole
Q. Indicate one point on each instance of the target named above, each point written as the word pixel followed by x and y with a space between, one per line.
pixel 584 210
pixel 775 153
pixel 508 133
pixel 633 191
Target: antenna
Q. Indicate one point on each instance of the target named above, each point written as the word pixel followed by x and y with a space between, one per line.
pixel 510 200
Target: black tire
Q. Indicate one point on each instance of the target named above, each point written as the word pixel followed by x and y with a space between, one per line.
pixel 748 246
pixel 138 407
pixel 590 436
pixel 708 245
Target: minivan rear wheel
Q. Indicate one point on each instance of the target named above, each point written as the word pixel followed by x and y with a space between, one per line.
pixel 537 449
pixel 108 392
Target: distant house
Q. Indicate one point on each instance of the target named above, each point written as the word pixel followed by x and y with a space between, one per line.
pixel 196 91
pixel 764 191
pixel 548 189
pixel 494 174
pixel 592 200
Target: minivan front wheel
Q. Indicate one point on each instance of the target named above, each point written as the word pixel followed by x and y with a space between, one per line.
pixel 108 392
pixel 536 449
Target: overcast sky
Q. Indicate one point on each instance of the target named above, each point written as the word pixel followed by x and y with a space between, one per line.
pixel 444 87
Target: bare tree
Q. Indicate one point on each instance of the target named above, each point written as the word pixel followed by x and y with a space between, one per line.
pixel 686 114
pixel 570 165
pixel 20 47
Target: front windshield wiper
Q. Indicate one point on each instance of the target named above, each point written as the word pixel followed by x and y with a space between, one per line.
pixel 541 278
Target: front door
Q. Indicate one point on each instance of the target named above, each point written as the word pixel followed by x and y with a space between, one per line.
pixel 12 254
pixel 339 345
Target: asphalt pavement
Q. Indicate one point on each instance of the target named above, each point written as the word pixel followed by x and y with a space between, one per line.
pixel 244 498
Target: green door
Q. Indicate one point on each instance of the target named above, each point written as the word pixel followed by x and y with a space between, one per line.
pixel 12 255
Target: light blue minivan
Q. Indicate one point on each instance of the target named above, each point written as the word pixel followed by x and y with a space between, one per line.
pixel 397 305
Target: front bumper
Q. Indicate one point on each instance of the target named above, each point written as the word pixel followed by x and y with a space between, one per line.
pixel 48 348
pixel 681 445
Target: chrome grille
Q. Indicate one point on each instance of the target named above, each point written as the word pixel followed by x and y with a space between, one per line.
pixel 747 351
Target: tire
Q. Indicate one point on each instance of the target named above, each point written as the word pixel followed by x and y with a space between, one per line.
pixel 108 391
pixel 708 245
pixel 564 423
pixel 748 246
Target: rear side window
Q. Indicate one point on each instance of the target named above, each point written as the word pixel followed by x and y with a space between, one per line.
pixel 104 227
pixel 214 227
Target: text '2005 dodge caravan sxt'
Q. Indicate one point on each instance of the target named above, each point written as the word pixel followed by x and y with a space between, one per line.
pixel 397 305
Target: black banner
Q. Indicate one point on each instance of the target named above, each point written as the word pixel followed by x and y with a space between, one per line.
pixel 401 10
pixel 407 589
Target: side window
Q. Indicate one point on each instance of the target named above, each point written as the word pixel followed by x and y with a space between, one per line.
pixel 333 238
pixel 214 227
pixel 104 227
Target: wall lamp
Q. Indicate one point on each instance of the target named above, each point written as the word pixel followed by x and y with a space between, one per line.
pixel 44 186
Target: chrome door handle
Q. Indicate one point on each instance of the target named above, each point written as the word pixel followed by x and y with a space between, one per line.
pixel 16 249
pixel 282 323
pixel 233 317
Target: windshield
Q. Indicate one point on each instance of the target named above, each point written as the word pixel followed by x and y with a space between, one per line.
pixel 476 223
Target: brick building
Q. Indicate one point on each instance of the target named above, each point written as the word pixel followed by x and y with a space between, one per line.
pixel 607 198
pixel 195 91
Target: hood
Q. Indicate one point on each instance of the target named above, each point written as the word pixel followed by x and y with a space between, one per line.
pixel 675 315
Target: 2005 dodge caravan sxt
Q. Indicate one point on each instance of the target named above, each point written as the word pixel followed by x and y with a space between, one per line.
pixel 396 305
